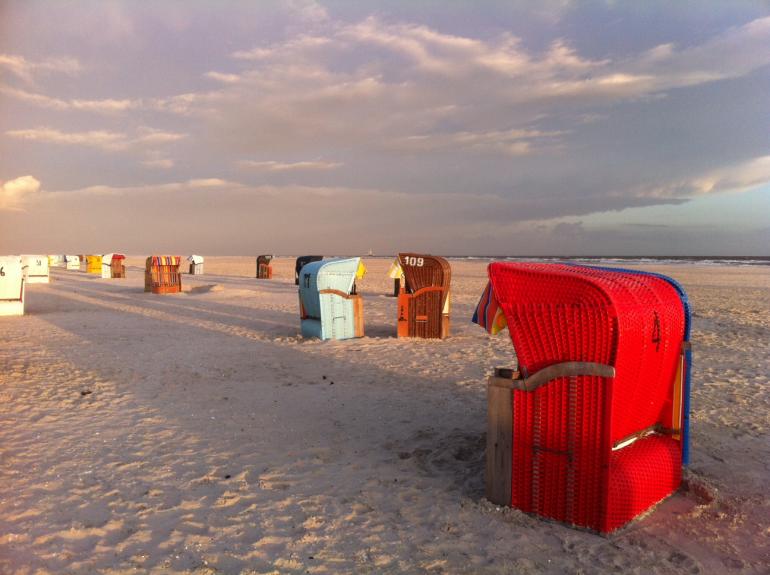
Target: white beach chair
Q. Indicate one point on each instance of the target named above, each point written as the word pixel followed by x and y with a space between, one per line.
pixel 36 269
pixel 12 286
pixel 73 262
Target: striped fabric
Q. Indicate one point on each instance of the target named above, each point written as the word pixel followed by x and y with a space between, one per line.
pixel 395 272
pixel 489 314
pixel 166 260
pixel 361 271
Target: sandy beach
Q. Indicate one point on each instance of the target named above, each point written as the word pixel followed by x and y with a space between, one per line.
pixel 198 433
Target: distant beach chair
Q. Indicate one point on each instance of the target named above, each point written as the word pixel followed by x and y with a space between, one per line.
pixel 396 273
pixel 161 274
pixel 12 286
pixel 36 269
pixel 196 265
pixel 329 306
pixel 588 429
pixel 264 269
pixel 423 299
pixel 113 266
pixel 94 264
pixel 72 262
pixel 300 263
pixel 55 260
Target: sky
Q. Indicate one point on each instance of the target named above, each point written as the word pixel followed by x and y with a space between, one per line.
pixel 451 127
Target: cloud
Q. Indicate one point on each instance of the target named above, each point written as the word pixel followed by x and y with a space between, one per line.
pixel 428 91
pixel 147 135
pixel 100 139
pixel 734 178
pixel 273 166
pixel 105 106
pixel 222 77
pixel 308 11
pixel 27 70
pixel 14 193
pixel 385 220
pixel 164 163
pixel 389 209
pixel 516 142
pixel 210 183
pixel 158 162
pixel 737 178
pixel 528 128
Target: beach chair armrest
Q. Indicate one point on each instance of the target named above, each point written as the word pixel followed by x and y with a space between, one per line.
pixel 339 293
pixel 514 380
pixel 428 289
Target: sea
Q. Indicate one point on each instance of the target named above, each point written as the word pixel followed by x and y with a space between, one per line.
pixel 633 260
pixel 619 261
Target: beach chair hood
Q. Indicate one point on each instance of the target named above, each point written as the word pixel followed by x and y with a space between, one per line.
pixel 195 259
pixel 423 271
pixel 165 260
pixel 35 266
pixel 328 308
pixel 334 274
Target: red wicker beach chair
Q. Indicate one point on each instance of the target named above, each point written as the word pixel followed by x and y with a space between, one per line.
pixel 588 429
pixel 117 266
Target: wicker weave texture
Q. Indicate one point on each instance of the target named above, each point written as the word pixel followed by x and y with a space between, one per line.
pixel 563 463
pixel 423 299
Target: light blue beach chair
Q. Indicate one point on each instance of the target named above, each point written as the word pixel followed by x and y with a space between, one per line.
pixel 329 306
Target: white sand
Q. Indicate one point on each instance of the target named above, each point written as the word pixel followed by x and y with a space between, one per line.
pixel 197 433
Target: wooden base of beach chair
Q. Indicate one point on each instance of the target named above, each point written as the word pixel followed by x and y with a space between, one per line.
pixel 166 289
pixel 557 464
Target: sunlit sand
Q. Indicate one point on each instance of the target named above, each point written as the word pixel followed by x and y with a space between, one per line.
pixel 198 433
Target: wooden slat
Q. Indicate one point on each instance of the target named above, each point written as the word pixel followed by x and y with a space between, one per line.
pixel 358 311
pixel 566 369
pixel 499 444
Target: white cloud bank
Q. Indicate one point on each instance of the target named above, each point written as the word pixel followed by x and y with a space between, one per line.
pixel 100 139
pixel 14 193
pixel 27 70
pixel 274 166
